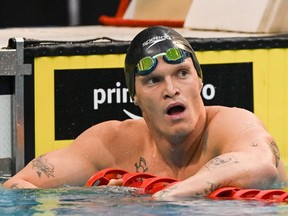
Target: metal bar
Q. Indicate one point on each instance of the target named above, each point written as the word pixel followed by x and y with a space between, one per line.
pixel 11 66
pixel 74 12
pixel 7 62
pixel 18 110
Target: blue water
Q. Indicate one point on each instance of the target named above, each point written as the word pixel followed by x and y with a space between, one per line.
pixel 121 201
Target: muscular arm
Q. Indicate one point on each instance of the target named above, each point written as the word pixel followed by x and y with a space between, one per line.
pixel 248 158
pixel 54 169
pixel 72 165
pixel 231 169
pixel 40 165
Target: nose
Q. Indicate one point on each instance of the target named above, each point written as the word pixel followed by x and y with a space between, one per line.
pixel 170 90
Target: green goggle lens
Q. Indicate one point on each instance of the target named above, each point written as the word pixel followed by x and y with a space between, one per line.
pixel 145 63
pixel 173 55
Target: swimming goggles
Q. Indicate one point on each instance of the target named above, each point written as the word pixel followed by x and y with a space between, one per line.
pixel 173 55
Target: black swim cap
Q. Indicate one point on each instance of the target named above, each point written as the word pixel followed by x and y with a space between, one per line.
pixel 152 41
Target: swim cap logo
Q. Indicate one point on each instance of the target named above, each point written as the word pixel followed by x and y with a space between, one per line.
pixel 156 39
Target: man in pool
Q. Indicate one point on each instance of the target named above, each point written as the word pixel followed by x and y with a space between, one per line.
pixel 205 147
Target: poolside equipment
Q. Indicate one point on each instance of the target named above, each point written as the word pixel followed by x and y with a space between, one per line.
pixel 140 14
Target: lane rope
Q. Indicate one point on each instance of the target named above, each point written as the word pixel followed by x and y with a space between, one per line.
pixel 150 184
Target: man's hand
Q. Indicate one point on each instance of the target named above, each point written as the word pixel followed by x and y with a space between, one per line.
pixel 115 182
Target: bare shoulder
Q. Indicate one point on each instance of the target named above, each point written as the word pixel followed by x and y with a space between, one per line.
pixel 104 141
pixel 116 129
pixel 233 126
pixel 235 130
pixel 236 117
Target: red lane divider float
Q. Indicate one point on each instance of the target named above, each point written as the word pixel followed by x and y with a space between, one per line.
pixel 104 176
pixel 150 184
pixel 250 194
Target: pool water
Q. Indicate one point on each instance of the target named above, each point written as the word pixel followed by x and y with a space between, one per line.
pixel 107 201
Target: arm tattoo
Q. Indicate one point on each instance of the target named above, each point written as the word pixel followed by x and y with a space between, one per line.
pixel 167 191
pixel 211 187
pixel 275 150
pixel 253 144
pixel 41 165
pixel 220 161
pixel 141 165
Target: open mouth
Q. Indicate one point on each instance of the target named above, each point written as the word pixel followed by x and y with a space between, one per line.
pixel 175 110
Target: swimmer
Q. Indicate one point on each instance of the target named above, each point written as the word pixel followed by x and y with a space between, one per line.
pixel 205 147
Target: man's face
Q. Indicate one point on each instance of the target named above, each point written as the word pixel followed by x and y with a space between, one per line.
pixel 169 97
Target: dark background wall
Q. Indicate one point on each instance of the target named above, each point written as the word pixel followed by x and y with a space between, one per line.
pixel 33 13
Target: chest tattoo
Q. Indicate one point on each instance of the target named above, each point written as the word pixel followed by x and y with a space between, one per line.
pixel 141 165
